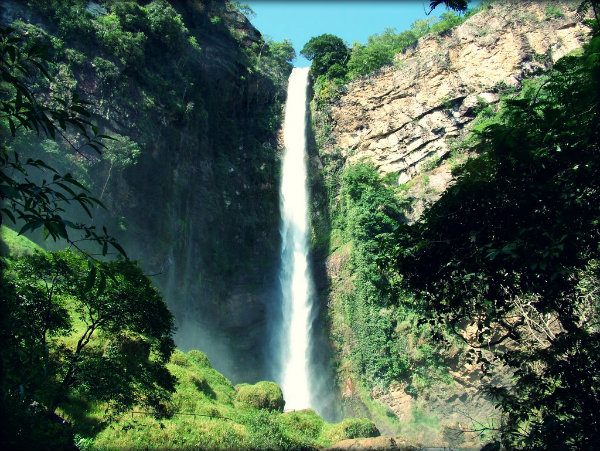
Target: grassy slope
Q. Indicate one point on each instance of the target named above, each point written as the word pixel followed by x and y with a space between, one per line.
pixel 204 413
pixel 11 243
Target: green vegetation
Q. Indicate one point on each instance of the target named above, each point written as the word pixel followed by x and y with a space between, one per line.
pixel 31 202
pixel 87 353
pixel 513 247
pixel 381 49
pixel 106 364
pixel 100 335
pixel 377 339
pixel 502 268
pixel 262 395
pixel 328 54
pixel 189 99
pixel 14 244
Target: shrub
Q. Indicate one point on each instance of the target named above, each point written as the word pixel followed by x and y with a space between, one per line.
pixel 199 357
pixel 262 395
pixel 352 428
pixel 359 427
pixel 202 385
pixel 306 422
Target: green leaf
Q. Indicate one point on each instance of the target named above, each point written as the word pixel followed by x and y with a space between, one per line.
pixel 91 277
pixel 119 249
pixel 102 284
pixel 8 213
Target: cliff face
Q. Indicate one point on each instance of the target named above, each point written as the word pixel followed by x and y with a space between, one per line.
pixel 405 116
pixel 194 98
pixel 406 119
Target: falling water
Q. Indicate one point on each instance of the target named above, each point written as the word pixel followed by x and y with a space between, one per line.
pixel 294 276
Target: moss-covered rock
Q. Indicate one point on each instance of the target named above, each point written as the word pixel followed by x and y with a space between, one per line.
pixel 262 395
pixel 307 422
pixel 351 428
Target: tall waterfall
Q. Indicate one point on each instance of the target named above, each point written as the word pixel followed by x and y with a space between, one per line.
pixel 295 276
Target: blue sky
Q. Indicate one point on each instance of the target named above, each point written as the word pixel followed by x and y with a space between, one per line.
pixel 299 20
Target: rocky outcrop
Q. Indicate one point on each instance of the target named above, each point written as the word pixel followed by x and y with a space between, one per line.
pixel 407 114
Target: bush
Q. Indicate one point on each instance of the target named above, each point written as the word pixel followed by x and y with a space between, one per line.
pixel 359 427
pixel 199 357
pixel 305 422
pixel 352 428
pixel 262 395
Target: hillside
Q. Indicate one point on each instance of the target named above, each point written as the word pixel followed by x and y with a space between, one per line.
pixel 451 282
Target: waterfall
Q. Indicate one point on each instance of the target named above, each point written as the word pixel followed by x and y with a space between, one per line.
pixel 296 287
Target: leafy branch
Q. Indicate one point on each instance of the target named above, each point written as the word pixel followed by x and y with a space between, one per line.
pixel 26 201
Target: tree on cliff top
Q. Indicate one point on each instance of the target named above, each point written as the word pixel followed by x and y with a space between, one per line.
pixel 457 5
pixel 327 52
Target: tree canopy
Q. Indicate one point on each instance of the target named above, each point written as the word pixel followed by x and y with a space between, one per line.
pixel 327 52
pixel 103 334
pixel 71 325
pixel 457 5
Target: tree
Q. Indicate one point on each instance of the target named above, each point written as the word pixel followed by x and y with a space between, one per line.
pixel 100 335
pixel 325 51
pixel 52 305
pixel 513 248
pixel 457 5
pixel 33 193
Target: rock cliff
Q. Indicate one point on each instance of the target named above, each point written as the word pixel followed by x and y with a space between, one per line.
pixel 405 119
pixel 195 199
pixel 407 115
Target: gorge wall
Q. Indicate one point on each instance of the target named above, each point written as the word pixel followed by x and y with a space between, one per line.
pixel 407 120
pixel 409 114
pixel 193 95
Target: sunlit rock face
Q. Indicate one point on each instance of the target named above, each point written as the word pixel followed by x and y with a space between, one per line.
pixel 408 113
pixel 404 119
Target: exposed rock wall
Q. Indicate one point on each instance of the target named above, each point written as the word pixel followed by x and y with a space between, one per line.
pixel 403 115
pixel 199 208
pixel 404 119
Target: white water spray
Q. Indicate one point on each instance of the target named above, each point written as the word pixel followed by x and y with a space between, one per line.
pixel 295 278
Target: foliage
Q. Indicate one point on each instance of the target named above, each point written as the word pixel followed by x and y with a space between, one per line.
pixel 102 334
pixel 262 395
pixel 13 244
pixel 458 5
pixel 334 64
pixel 386 342
pixel 552 12
pixel 381 49
pixel 42 203
pixel 201 421
pixel 508 248
pixel 327 53
pixel 202 105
